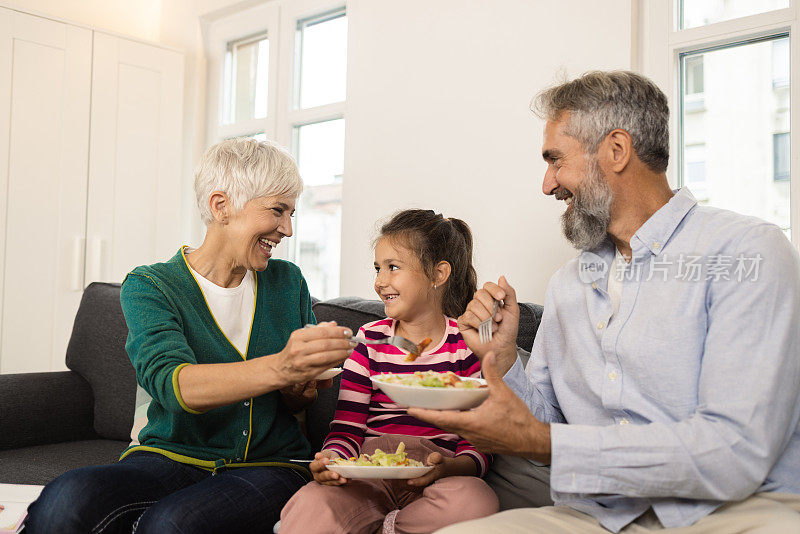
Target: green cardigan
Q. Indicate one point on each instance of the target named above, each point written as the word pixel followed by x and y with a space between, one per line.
pixel 170 326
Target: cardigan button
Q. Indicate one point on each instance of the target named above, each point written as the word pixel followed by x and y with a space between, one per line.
pixel 244 432
pixel 247 403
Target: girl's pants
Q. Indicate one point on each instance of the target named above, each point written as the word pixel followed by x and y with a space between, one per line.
pixel 372 505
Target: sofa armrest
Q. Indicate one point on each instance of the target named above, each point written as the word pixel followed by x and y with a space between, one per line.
pixel 41 408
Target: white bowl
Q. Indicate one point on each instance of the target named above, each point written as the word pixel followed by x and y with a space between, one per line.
pixel 375 471
pixel 433 398
pixel 328 373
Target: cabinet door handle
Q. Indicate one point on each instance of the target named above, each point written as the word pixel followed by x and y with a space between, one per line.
pixel 76 280
pixel 96 260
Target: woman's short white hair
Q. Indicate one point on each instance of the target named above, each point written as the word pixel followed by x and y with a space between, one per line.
pixel 245 169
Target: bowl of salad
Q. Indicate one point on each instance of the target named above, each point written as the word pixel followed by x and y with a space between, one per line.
pixel 381 464
pixel 432 389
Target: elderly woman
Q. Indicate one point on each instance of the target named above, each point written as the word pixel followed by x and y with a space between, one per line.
pixel 216 337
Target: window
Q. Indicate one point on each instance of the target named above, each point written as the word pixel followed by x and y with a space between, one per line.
pixel 741 105
pixel 281 71
pixel 246 87
pixel 322 60
pixel 317 123
pixel 725 66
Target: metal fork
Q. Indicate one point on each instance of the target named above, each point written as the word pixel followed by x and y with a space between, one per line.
pixel 406 345
pixel 400 342
pixel 485 328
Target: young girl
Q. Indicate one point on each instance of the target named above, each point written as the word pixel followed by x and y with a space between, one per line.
pixel 424 278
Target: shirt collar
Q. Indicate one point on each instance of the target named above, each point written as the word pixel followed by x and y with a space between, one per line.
pixel 656 231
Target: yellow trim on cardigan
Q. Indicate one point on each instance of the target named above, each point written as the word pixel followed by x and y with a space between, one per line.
pixel 210 465
pixel 249 432
pixel 247 347
pixel 176 388
pixel 255 302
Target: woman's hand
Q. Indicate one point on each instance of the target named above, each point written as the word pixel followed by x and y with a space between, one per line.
pixel 310 351
pixel 444 467
pixel 321 473
pixel 505 323
pixel 298 396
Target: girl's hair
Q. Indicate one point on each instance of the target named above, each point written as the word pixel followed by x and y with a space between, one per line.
pixel 432 238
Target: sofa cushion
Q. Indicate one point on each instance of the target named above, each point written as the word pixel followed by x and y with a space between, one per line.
pixel 96 351
pixel 39 408
pixel 352 312
pixel 42 463
pixel 530 315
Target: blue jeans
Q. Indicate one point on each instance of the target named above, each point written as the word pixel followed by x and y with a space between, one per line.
pixel 147 492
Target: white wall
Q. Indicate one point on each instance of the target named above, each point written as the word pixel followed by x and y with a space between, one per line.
pixel 438 117
pixel 437 114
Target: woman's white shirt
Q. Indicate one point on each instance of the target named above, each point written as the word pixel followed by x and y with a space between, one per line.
pixel 232 307
pixel 615 277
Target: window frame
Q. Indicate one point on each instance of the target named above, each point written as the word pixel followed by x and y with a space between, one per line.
pixel 660 44
pixel 280 20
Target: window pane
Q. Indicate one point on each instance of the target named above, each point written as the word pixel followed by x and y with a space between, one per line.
pixel 322 60
pixel 246 75
pixel 320 157
pixel 736 144
pixel 701 12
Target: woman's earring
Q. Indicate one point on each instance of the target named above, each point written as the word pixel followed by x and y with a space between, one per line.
pixel 434 286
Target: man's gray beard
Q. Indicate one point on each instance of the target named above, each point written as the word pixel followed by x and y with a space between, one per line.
pixel 585 224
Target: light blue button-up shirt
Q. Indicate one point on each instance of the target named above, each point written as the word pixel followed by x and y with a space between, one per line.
pixel 689 396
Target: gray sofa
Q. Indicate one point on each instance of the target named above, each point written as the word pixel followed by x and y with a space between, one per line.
pixel 56 421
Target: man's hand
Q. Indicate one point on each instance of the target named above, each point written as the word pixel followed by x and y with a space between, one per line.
pixel 502 424
pixel 505 323
pixel 322 474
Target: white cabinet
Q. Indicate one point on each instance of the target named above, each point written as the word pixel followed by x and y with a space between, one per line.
pixel 90 128
pixel 134 164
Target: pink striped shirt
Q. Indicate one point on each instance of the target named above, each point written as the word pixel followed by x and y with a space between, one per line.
pixel 365 411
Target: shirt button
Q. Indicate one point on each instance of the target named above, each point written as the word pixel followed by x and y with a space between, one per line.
pixel 594 285
pixel 601 325
pixel 244 432
pixel 612 375
pixel 247 403
pixel 624 422
pixel 656 245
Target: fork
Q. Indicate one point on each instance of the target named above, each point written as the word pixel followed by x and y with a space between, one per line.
pixel 406 345
pixel 485 327
pixel 400 342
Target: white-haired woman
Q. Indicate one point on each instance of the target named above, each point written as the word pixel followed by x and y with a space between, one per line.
pixel 216 337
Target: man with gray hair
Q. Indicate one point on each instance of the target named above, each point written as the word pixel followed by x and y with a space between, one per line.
pixel 664 383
